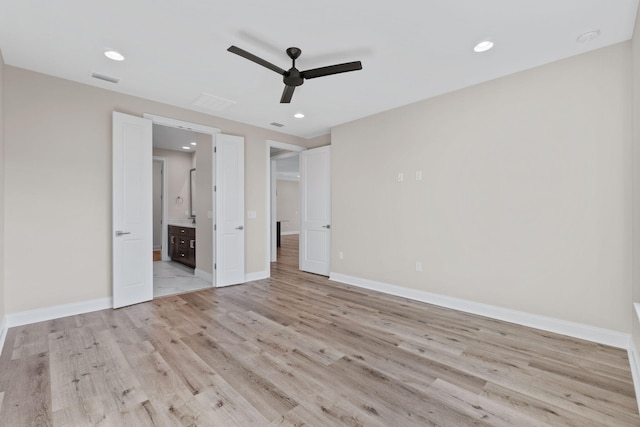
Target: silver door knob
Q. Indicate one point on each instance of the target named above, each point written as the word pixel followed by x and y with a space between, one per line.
pixel 121 233
pixel 326 226
pixel 240 228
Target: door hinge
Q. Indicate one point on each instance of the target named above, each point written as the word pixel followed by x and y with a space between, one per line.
pixel 215 266
pixel 215 149
pixel 214 227
pixel 215 188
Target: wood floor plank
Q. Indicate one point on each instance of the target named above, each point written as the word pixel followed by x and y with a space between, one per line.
pixel 297 349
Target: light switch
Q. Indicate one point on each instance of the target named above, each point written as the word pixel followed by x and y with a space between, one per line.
pixel 400 177
pixel 209 214
pixel 251 214
pixel 418 175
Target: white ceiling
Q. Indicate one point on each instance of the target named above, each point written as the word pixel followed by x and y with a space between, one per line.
pixel 410 49
pixel 169 138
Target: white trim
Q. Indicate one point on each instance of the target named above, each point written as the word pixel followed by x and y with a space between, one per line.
pixel 180 124
pixel 288 233
pixel 57 311
pixel 203 275
pixel 3 333
pixel 634 363
pixel 269 225
pixel 258 275
pixel 572 329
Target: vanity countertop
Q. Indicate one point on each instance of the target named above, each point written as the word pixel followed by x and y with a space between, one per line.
pixel 181 223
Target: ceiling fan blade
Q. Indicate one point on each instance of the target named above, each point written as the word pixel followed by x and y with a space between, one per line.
pixel 331 69
pixel 287 94
pixel 257 60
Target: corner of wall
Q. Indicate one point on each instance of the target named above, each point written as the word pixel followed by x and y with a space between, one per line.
pixel 3 325
pixel 634 351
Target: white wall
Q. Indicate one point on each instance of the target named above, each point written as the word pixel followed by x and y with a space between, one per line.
pixel 157 205
pixel 204 203
pixel 635 297
pixel 525 201
pixel 58 186
pixel 2 192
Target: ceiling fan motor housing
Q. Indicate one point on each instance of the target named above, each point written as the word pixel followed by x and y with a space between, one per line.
pixel 293 77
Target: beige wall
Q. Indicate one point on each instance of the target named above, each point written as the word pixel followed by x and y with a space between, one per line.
pixel 525 201
pixel 288 195
pixel 58 186
pixel 204 203
pixel 178 166
pixel 2 166
pixel 635 55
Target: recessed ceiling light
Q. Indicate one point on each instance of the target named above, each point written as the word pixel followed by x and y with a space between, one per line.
pixel 114 54
pixel 483 46
pixel 298 115
pixel 186 148
pixel 588 36
pixel 193 143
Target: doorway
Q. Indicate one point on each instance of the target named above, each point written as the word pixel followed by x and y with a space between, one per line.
pixel 132 191
pixel 178 266
pixel 283 201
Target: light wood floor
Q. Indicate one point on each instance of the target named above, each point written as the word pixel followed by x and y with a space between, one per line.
pixel 300 350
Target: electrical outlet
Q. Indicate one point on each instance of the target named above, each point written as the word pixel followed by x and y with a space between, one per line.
pixel 418 266
pixel 341 255
pixel 400 177
pixel 418 175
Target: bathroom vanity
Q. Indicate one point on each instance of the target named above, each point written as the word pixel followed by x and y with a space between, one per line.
pixel 182 244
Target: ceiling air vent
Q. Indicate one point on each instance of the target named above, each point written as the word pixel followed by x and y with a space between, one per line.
pixel 105 77
pixel 212 102
pixel 276 124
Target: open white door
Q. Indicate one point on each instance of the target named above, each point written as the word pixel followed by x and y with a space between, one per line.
pixel 274 210
pixel 315 210
pixel 132 209
pixel 229 210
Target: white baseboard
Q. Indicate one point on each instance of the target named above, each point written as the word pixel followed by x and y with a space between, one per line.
pixel 203 275
pixel 3 333
pixel 57 311
pixel 572 329
pixel 258 275
pixel 289 233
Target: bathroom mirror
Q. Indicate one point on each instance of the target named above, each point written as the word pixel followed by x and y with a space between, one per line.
pixel 192 192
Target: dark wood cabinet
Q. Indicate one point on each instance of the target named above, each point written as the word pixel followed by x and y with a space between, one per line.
pixel 182 245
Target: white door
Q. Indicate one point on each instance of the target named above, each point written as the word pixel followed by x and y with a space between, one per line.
pixel 229 210
pixel 274 210
pixel 315 210
pixel 132 236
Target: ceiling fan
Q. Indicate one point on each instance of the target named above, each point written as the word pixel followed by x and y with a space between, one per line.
pixel 293 77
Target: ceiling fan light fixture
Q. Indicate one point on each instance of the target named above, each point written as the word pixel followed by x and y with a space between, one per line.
pixel 114 55
pixel 194 143
pixel 186 147
pixel 483 46
pixel 298 115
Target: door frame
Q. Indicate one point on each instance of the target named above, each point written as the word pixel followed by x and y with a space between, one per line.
pixel 195 127
pixel 270 198
pixel 165 206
